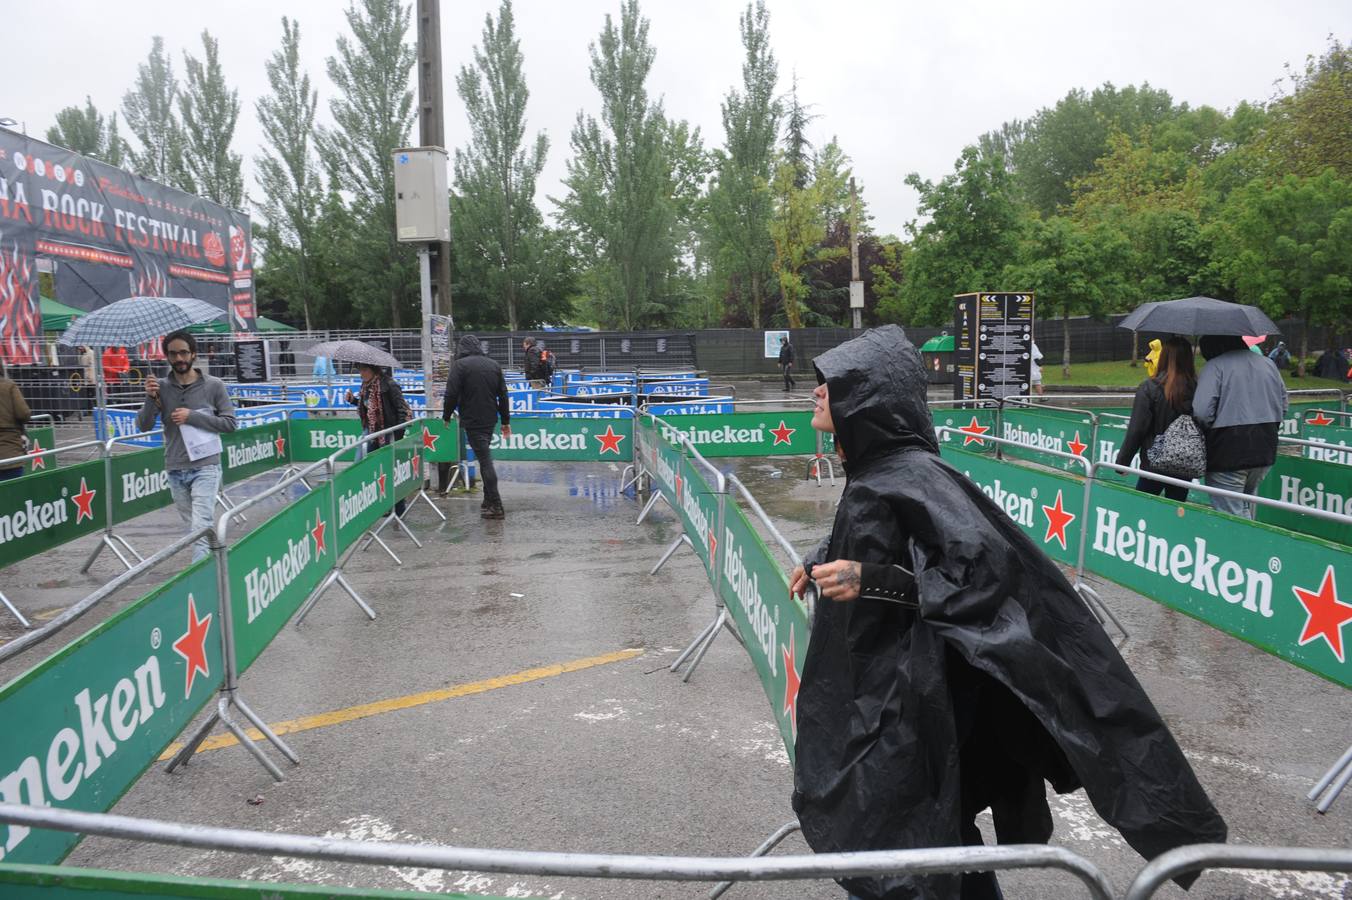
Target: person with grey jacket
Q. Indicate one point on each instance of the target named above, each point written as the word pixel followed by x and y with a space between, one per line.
pixel 188 397
pixel 1240 404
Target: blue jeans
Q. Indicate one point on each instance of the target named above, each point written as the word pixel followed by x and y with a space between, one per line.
pixel 1243 481
pixel 194 493
pixel 7 474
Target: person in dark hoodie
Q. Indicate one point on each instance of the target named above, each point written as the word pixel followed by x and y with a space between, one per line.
pixel 952 668
pixel 477 388
pixel 1240 403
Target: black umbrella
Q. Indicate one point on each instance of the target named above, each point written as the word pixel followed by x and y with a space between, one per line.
pixel 1199 315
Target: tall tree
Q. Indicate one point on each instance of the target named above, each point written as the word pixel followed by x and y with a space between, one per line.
pixel 1310 128
pixel 287 173
pixel 797 228
pixel 87 132
pixel 739 199
pixel 797 147
pixel 621 179
pixel 495 175
pixel 149 111
pixel 209 111
pixel 373 113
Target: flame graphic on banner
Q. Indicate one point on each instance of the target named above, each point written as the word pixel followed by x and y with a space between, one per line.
pixel 153 283
pixel 20 315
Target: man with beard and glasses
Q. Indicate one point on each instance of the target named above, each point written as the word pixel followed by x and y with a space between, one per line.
pixel 192 406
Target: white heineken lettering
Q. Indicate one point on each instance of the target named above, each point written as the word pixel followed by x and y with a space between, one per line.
pixel 539 440
pixel 262 586
pixel 1038 440
pixel 665 471
pixel 31 519
pixel 695 513
pixel 331 440
pixel 134 486
pixel 105 720
pixel 1191 565
pixel 403 471
pixel 746 585
pixel 1017 507
pixel 1294 491
pixel 724 435
pixel 1338 453
pixel 246 454
pixel 351 505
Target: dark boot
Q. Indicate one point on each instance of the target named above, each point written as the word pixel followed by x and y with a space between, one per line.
pixel 494 512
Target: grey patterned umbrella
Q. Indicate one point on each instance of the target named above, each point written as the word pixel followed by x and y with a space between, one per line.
pixel 137 319
pixel 353 352
pixel 1199 315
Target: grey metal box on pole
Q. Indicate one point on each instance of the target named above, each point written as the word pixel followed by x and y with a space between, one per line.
pixel 422 206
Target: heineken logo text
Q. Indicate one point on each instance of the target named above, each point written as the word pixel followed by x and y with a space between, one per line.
pixel 1038 440
pixel 539 440
pixel 246 454
pixel 1294 491
pixel 353 504
pixel 262 586
pixel 724 435
pixel 1188 564
pixel 1018 508
pixel 146 484
pixel 746 585
pixel 331 440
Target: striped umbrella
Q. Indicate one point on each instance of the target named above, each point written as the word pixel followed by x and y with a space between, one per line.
pixel 137 319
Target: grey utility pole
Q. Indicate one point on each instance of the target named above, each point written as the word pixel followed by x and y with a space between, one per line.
pixel 856 285
pixel 432 131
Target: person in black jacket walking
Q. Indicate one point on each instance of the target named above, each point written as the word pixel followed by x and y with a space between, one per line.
pixel 477 388
pixel 380 405
pixel 1160 400
pixel 786 363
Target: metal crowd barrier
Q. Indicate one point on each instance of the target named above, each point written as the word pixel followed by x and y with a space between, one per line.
pixel 928 861
pixel 1182 860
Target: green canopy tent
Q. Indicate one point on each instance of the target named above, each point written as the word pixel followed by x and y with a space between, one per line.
pixel 57 316
pixel 222 326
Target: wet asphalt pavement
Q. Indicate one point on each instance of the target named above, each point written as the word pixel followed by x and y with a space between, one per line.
pixel 620 755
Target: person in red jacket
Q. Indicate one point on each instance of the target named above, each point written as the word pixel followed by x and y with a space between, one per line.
pixel 116 363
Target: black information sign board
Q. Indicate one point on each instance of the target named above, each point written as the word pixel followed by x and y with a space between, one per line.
pixel 994 347
pixel 251 361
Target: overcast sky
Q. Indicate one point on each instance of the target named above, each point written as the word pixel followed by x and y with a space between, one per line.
pixel 904 86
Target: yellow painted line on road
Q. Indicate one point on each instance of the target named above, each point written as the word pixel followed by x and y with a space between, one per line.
pixel 378 707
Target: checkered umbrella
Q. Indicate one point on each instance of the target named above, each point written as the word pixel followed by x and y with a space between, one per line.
pixel 137 319
pixel 353 352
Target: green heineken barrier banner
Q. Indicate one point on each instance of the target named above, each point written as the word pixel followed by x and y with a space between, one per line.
pixel 1313 484
pixel 365 492
pixel 747 433
pixel 314 439
pixel 697 505
pixel 770 622
pixel 100 710
pixel 19 882
pixel 42 511
pixel 249 451
pixel 665 464
pixel 1333 430
pixel 276 566
pixel 1296 414
pixel 440 441
pixel 1039 430
pixel 1112 431
pixel 407 466
pixel 41 438
pixel 973 423
pixel 1045 505
pixel 587 440
pixel 140 483
pixel 1272 588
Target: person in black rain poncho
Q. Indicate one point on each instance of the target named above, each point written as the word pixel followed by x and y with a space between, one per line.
pixel 928 698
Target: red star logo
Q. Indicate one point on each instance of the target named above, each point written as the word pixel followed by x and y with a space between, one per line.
pixel 610 441
pixel 1319 419
pixel 791 681
pixel 1325 614
pixel 972 429
pixel 84 503
pixel 417 463
pixel 678 486
pixel 782 433
pixel 1076 447
pixel 381 481
pixel 281 446
pixel 713 544
pixel 318 533
pixel 39 462
pixel 429 440
pixel 1057 520
pixel 192 646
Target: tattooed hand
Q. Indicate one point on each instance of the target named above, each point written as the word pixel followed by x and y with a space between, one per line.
pixel 838 580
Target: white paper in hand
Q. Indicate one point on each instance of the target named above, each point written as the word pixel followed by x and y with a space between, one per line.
pixel 198 442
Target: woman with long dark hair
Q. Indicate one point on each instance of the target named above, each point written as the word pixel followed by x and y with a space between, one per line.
pixel 1160 400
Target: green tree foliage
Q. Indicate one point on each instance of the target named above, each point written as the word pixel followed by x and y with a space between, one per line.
pixel 497 222
pixel 629 182
pixel 797 228
pixel 87 132
pixel 287 173
pixel 148 109
pixel 1287 247
pixel 797 147
pixel 739 201
pixel 1312 125
pixel 372 114
pixel 209 111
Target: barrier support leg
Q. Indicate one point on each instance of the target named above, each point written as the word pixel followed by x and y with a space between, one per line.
pixel 675 545
pixel 13 611
pixel 130 549
pixel 1098 609
pixel 422 495
pixel 721 621
pixel 233 727
pixel 105 541
pixel 648 507
pixel 766 846
pixel 1342 771
pixel 334 577
pixel 185 754
pixel 399 522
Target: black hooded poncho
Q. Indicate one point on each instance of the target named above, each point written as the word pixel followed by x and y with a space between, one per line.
pixel 910 721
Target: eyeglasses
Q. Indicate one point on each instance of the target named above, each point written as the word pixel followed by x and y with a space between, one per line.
pixel 183 354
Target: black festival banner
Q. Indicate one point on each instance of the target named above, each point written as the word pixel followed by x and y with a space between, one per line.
pixel 106 234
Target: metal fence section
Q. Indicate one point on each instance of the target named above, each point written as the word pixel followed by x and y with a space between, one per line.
pixel 1182 860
